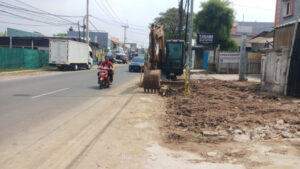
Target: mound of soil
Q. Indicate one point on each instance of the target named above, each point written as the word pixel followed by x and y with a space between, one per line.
pixel 224 106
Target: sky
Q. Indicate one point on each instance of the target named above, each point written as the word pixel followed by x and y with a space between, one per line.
pixel 110 15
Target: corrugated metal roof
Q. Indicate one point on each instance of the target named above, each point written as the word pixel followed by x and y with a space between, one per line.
pixel 115 40
pixel 260 40
pixel 20 33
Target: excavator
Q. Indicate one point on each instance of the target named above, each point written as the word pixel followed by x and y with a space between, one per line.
pixel 165 59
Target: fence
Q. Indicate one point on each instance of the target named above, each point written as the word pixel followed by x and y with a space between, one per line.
pixel 229 62
pixel 15 58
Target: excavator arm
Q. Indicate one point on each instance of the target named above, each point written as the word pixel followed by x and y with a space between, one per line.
pixel 157 53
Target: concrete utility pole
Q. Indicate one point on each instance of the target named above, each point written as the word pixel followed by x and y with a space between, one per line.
pixel 87 22
pixel 125 31
pixel 189 61
pixel 79 30
pixel 180 19
pixel 243 60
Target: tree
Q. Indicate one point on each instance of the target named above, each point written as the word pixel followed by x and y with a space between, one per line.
pixel 170 21
pixel 217 17
pixel 62 35
pixel 3 34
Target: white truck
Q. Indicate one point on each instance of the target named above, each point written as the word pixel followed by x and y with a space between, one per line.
pixel 68 54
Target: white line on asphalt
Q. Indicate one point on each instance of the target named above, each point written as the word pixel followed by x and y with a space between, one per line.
pixel 45 94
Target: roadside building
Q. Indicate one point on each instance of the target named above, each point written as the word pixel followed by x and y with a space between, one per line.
pixel 286 11
pixel 262 41
pixel 253 29
pixel 281 65
pixel 100 38
pixel 115 43
pixel 20 33
pixel 132 47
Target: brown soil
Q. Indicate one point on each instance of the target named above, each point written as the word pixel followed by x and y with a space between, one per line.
pixel 216 105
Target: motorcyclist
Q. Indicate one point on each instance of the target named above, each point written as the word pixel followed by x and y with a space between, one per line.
pixel 108 64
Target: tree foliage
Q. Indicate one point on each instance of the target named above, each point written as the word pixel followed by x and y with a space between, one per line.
pixel 3 34
pixel 170 21
pixel 62 35
pixel 217 17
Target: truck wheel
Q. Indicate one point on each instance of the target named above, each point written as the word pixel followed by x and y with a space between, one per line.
pixel 75 67
pixel 89 66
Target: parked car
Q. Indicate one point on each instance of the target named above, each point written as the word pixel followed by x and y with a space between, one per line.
pixel 118 61
pixel 137 64
pixel 121 56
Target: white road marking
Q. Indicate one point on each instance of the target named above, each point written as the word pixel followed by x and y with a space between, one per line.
pixel 45 94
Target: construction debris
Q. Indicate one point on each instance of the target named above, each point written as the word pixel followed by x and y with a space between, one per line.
pixel 229 111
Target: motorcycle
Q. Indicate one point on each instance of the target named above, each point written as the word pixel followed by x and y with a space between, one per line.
pixel 103 77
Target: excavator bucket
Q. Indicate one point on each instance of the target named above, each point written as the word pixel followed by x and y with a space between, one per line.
pixel 151 81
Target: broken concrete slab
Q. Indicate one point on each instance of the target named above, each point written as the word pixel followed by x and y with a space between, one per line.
pixel 210 133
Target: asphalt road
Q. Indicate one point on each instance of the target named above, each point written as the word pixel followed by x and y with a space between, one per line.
pixel 28 103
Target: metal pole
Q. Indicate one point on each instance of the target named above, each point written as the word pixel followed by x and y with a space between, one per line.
pixel 190 41
pixel 87 22
pixel 10 42
pixel 187 20
pixel 79 31
pixel 243 60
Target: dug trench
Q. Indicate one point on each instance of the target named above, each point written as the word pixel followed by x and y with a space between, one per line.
pixel 230 121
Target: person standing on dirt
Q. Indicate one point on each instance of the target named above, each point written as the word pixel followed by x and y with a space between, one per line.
pixel 108 64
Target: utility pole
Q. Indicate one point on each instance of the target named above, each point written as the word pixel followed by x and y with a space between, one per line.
pixel 87 22
pixel 125 31
pixel 79 31
pixel 243 60
pixel 180 19
pixel 189 62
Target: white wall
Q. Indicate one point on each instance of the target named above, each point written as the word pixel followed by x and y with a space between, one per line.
pixel 274 71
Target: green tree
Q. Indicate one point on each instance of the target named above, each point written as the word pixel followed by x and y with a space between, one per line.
pixel 62 35
pixel 217 17
pixel 170 21
pixel 3 34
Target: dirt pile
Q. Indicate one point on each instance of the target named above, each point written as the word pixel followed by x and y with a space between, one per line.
pixel 219 111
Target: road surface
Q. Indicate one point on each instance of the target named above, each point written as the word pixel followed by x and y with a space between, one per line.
pixel 35 107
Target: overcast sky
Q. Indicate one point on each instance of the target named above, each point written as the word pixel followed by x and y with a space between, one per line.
pixel 138 14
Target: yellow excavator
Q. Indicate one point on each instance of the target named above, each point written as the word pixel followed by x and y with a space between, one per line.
pixel 164 59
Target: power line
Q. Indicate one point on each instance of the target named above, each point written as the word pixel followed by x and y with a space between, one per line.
pixel 30 19
pixel 33 14
pixel 109 22
pixel 106 11
pixel 7 5
pixel 19 23
pixel 44 11
pixel 113 11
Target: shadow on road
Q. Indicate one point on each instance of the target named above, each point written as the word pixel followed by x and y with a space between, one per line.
pixel 94 87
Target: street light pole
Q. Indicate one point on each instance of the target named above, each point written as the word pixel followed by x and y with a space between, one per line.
pixel 87 22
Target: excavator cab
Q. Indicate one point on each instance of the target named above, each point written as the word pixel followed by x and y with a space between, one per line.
pixel 174 58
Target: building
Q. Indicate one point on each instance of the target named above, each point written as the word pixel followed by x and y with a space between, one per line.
pixel 132 47
pixel 115 44
pixel 252 29
pixel 286 11
pixel 262 41
pixel 281 65
pixel 96 37
pixel 20 33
